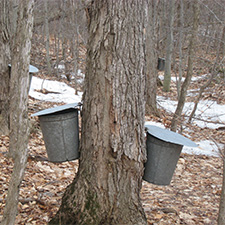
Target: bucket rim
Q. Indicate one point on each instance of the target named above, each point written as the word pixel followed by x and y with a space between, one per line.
pixel 169 136
pixel 49 111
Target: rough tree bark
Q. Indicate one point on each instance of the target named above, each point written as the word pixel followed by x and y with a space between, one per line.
pixel 106 189
pixel 19 85
pixel 4 69
pixel 188 77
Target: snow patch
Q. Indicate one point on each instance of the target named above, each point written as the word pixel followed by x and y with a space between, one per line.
pixel 205 147
pixel 207 110
pixel 61 91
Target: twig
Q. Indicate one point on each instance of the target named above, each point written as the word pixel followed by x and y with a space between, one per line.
pixel 222 153
pixel 207 121
pixel 39 201
pixel 37 158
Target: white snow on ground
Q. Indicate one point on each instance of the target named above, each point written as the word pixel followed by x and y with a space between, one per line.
pixel 205 147
pixel 79 73
pixel 62 92
pixel 207 110
pixel 174 79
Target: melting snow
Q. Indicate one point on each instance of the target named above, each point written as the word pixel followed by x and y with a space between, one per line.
pixel 62 92
pixel 207 110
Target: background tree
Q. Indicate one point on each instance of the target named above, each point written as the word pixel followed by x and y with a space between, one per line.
pixel 169 47
pixel 181 31
pixel 4 69
pixel 47 37
pixel 151 62
pixel 19 86
pixel 221 215
pixel 189 74
pixel 107 187
pixel 218 63
pixel 74 40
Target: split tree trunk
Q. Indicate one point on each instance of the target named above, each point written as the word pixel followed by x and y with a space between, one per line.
pixel 107 187
pixel 19 86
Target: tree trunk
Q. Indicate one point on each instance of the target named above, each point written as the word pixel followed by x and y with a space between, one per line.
pixel 75 41
pixel 47 38
pixel 59 23
pixel 187 80
pixel 169 49
pixel 151 64
pixel 181 30
pixel 222 43
pixel 19 86
pixel 65 41
pixel 221 215
pixel 107 187
pixel 219 59
pixel 4 69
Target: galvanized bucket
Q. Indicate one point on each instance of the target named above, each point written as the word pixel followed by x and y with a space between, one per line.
pixel 163 152
pixel 60 128
pixel 30 79
pixel 161 64
pixel 161 162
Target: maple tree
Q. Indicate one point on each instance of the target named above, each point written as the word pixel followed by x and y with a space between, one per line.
pixel 4 69
pixel 194 194
pixel 107 187
pixel 18 105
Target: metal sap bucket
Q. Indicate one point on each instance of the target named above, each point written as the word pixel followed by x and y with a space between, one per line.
pixel 163 151
pixel 60 128
pixel 161 64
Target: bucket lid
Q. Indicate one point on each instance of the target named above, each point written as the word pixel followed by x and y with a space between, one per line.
pixel 32 69
pixel 169 136
pixel 57 109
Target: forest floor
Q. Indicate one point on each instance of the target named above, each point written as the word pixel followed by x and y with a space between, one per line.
pixel 191 198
